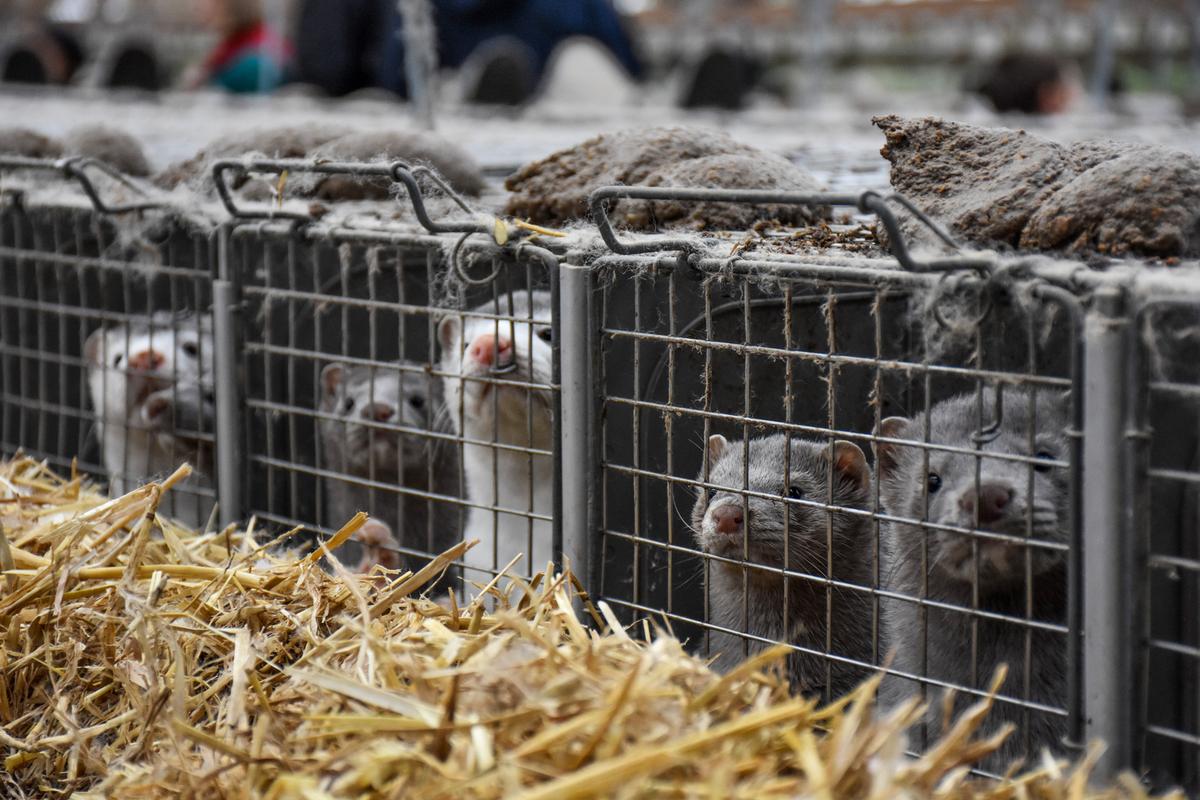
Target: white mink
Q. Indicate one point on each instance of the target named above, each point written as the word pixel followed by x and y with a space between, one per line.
pixel 150 381
pixel 521 417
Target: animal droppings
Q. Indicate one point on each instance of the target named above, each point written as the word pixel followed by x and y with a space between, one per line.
pixel 1001 188
pixel 113 146
pixel 555 190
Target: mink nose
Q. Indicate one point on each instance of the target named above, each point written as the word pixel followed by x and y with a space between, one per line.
pixel 728 519
pixel 487 348
pixel 380 412
pixel 993 500
pixel 146 360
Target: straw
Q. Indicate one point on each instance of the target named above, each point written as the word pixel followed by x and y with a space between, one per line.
pixel 143 660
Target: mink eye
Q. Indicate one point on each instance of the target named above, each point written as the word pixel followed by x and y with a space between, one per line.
pixel 545 334
pixel 795 493
pixel 416 401
pixel 934 482
pixel 1044 457
pixel 117 360
pixel 349 404
pixel 191 349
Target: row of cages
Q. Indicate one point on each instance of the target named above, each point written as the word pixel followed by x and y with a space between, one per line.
pixel 933 473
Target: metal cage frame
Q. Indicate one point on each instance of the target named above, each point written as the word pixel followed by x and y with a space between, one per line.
pixel 1113 587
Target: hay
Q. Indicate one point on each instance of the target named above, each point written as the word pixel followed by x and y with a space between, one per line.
pixel 141 660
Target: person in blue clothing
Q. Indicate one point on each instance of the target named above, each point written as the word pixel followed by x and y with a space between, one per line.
pixel 514 37
pixel 250 56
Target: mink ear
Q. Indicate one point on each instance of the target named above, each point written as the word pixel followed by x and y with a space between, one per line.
pixel 331 378
pixel 448 329
pixel 716 448
pixel 849 462
pixel 886 453
pixel 92 347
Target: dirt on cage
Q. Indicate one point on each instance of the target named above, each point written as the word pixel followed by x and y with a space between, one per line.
pixel 819 239
pixel 143 660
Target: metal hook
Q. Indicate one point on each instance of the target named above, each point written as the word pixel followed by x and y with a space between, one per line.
pixel 460 270
pixel 941 293
pixel 989 433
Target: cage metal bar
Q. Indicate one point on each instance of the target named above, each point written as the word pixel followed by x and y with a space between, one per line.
pixel 577 434
pixel 1075 583
pixel 227 383
pixel 1108 631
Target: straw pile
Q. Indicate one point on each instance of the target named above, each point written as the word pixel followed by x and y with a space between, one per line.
pixel 140 660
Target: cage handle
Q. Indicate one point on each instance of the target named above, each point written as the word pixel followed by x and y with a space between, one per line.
pixel 75 168
pixel 396 171
pixel 869 202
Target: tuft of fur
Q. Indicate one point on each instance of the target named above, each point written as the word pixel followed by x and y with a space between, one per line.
pixel 940 646
pixel 785 534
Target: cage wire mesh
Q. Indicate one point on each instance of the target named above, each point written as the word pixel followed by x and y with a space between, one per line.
pixel 1165 504
pixel 877 462
pixel 771 531
pixel 104 336
pixel 346 402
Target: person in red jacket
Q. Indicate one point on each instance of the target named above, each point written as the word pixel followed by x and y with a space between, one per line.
pixel 250 58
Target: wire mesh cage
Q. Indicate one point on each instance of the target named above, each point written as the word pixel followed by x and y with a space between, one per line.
pixel 744 433
pixel 931 466
pixel 105 339
pixel 1164 428
pixel 377 380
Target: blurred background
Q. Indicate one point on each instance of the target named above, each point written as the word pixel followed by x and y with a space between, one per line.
pixel 797 75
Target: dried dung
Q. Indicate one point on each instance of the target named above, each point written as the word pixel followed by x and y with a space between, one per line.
pixel 1003 188
pixel 416 147
pixel 1146 203
pixel 26 143
pixel 983 184
pixel 819 239
pixel 555 190
pixel 142 660
pixel 113 146
pixel 282 142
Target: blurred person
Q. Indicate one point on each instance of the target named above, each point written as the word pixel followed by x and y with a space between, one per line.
pixel 249 58
pixel 722 78
pixel 1031 83
pixel 338 43
pixel 504 45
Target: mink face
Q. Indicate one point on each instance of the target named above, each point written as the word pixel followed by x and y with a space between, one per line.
pixel 514 352
pixel 777 530
pixel 370 403
pixel 755 532
pixel 128 363
pixel 1023 497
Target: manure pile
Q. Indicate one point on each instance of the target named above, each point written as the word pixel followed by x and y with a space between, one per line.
pixel 142 660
